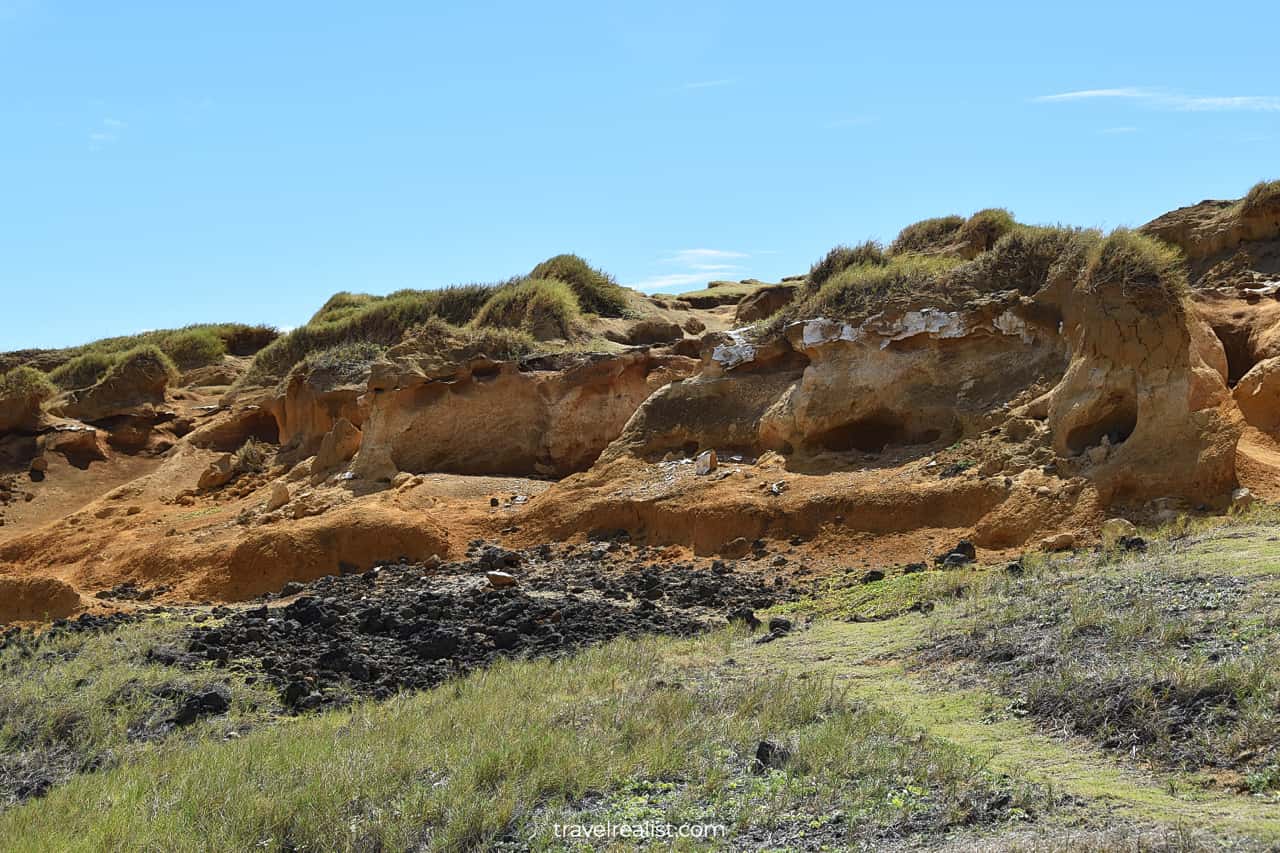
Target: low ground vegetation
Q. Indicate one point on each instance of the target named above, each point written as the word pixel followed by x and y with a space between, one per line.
pixel 88 699
pixel 348 320
pixel 349 361
pixel 1262 196
pixel 595 290
pixel 546 305
pixel 147 363
pixel 927 234
pixel 544 308
pixel 981 231
pixel 840 258
pixel 436 338
pixel 1166 655
pixel 188 347
pixel 638 730
pixel 854 283
pixel 1139 264
pixel 24 385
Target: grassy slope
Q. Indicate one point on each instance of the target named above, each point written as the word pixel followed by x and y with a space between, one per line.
pixel 903 745
pixel 639 730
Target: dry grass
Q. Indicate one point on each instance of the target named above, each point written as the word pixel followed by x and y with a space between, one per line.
pixel 638 730
pixel 194 348
pixel 596 290
pixel 1161 656
pixel 1262 197
pixel 147 364
pixel 866 288
pixel 1029 258
pixel 1142 266
pixel 189 347
pixel 981 231
pixel 251 457
pixel 927 235
pixel 82 371
pixel 349 319
pixel 841 258
pixel 541 307
pixel 24 386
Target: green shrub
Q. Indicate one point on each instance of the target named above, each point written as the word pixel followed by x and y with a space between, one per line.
pixel 841 258
pixel 438 338
pixel 1027 258
pixel 1139 264
pixel 193 348
pixel 984 228
pixel 25 384
pixel 342 305
pixel 456 305
pixel 381 321
pixel 82 371
pixel 146 363
pixel 251 457
pixel 596 291
pixel 500 344
pixel 1263 196
pixel 345 361
pixel 544 308
pixel 242 340
pixel 864 288
pixel 926 234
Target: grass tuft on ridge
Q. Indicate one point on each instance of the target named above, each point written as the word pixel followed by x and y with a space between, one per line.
pixel 596 291
pixel 544 308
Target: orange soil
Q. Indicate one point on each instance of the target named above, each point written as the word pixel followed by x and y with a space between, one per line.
pixel 127 519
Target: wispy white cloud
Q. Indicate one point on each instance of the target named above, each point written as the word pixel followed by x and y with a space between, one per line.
pixel 690 256
pixel 1086 94
pixel 697 267
pixel 1167 100
pixel 707 84
pixel 658 283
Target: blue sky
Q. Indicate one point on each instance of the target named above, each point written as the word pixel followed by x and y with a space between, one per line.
pixel 167 163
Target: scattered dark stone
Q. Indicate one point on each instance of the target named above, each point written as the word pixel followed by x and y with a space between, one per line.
pixel 770 756
pixel 194 706
pixel 291 588
pixel 962 553
pixel 872 576
pixel 779 625
pixel 402 628
pixel 913 568
pixel 1133 543
pixel 293 693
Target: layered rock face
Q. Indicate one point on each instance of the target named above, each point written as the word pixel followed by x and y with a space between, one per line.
pixel 1212 229
pixel 135 392
pixel 549 416
pixel 1121 385
pixel 1144 401
pixel 908 377
pixel 310 406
